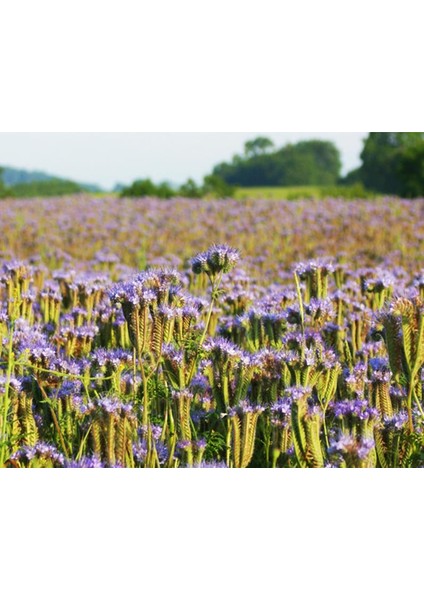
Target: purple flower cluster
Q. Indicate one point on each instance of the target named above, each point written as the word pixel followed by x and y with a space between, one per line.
pixel 397 422
pixel 323 265
pixel 357 408
pixel 41 451
pixel 350 445
pixel 244 407
pixel 114 406
pixel 380 370
pixel 128 368
pixel 220 258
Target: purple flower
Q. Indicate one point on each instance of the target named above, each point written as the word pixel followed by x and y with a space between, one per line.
pixel 350 445
pixel 212 464
pixel 114 406
pixel 380 370
pixel 311 267
pixel 156 431
pixel 200 444
pixel 222 350
pixel 86 462
pixel 396 422
pixel 219 258
pixel 357 408
pixel 244 408
pixel 184 444
pixel 40 451
pixel 14 383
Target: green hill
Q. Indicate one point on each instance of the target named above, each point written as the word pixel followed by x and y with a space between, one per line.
pixel 22 180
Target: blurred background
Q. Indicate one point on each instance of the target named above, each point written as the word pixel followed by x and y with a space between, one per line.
pixel 194 165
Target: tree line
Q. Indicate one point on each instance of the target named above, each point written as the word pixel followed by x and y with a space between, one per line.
pixel 312 162
pixel 39 188
pixel 212 185
pixel 391 163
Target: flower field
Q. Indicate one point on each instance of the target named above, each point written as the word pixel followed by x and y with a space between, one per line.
pixel 185 333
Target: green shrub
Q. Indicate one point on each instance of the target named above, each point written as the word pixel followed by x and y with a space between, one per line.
pixel 190 189
pixel 146 187
pixel 215 186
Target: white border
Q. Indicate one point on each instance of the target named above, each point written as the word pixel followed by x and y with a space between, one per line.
pixel 227 65
pixel 221 66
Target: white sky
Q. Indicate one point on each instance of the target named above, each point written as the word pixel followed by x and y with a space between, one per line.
pixel 108 158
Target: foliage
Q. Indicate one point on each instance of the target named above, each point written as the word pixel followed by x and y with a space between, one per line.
pixel 213 186
pixel 14 177
pixel 3 190
pixel 411 170
pixel 259 145
pixel 190 189
pixel 352 178
pixel 312 162
pixel 217 187
pixel 145 187
pixel 392 163
pixel 51 187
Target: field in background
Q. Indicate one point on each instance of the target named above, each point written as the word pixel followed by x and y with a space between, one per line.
pixel 278 193
pixel 302 192
pixel 270 235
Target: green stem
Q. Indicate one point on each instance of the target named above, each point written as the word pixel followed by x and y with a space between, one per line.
pixel 55 421
pixel 145 393
pixel 6 402
pixel 215 288
pixel 228 443
pixel 299 296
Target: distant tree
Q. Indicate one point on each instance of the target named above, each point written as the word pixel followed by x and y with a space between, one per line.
pixel 327 161
pixel 312 162
pixel 215 186
pixel 227 171
pixel 51 187
pixel 190 189
pixel 3 190
pixel 145 187
pixel 379 155
pixel 297 166
pixel 139 188
pixel 164 191
pixel 411 170
pixel 259 145
pixel 237 159
pixel 389 159
pixel 22 187
pixel 352 178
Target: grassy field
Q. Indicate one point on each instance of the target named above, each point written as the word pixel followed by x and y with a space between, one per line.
pixel 303 192
pixel 278 193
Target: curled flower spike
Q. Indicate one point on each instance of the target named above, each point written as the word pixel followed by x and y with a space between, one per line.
pixel 219 258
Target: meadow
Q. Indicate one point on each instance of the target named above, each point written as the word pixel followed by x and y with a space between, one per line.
pixel 219 333
pixel 304 192
pixel 278 193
